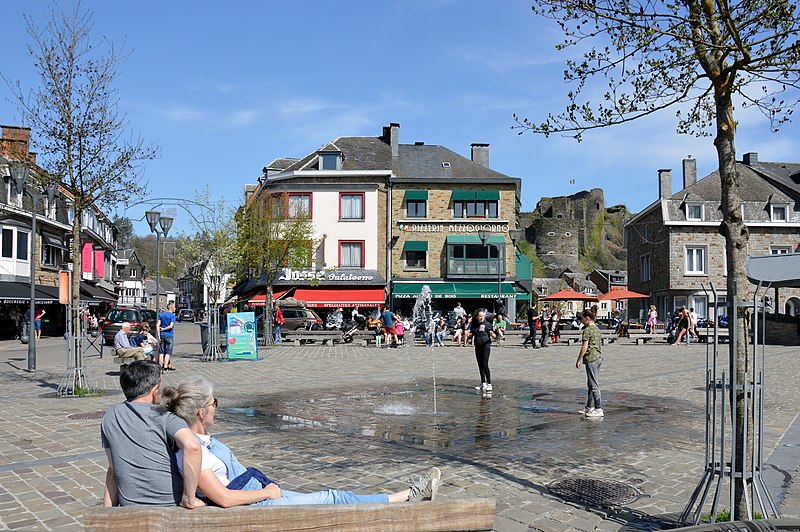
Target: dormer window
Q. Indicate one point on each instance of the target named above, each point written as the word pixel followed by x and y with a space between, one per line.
pixel 330 160
pixel 695 212
pixel 779 213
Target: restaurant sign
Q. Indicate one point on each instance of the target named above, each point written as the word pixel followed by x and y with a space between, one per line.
pixel 453 227
pixel 344 276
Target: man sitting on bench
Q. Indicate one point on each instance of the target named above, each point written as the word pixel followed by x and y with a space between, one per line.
pixel 122 344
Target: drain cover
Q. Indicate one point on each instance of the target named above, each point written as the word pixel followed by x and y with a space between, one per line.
pixel 594 492
pixel 97 414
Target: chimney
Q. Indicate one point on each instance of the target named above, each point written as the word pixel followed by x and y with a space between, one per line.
pixel 689 171
pixel 665 183
pixel 751 158
pixel 391 136
pixel 16 133
pixel 480 154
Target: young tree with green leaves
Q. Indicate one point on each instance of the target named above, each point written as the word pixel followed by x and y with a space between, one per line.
pixel 272 234
pixel 702 58
pixel 80 134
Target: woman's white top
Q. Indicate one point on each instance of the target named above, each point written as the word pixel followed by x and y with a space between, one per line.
pixel 209 461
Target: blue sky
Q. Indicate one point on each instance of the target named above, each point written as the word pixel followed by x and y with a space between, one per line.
pixel 224 90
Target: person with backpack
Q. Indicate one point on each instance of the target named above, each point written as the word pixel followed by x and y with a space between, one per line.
pixel 482 333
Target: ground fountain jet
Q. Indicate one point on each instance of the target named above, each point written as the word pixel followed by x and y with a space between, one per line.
pixel 421 315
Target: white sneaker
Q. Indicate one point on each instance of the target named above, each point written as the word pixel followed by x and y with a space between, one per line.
pixel 481 387
pixel 487 388
pixel 585 410
pixel 595 412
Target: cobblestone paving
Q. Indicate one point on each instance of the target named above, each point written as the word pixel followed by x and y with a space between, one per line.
pixel 361 419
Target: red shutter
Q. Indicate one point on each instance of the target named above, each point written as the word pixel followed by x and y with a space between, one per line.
pixel 86 258
pixel 99 263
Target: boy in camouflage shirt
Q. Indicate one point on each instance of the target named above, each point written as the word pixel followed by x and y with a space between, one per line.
pixel 592 357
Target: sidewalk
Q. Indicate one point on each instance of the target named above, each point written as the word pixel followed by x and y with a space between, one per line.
pixel 361 419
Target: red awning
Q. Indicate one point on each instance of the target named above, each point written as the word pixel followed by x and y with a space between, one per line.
pixel 340 297
pixel 258 300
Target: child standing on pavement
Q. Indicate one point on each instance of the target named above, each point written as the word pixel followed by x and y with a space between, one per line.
pixel 592 357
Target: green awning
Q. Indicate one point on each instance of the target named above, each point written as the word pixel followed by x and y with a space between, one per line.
pixel 415 245
pixel 463 239
pixel 488 195
pixel 454 290
pixel 474 239
pixel 462 195
pixel 416 195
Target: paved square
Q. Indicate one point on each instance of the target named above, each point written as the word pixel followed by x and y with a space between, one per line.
pixel 363 419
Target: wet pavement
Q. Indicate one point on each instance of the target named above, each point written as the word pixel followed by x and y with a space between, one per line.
pixel 363 419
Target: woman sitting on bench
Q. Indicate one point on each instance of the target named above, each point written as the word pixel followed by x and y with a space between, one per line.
pixel 226 482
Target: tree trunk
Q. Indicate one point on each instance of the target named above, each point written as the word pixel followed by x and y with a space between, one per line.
pixel 736 236
pixel 75 296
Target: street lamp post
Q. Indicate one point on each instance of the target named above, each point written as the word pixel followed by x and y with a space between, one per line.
pixel 19 176
pixel 484 236
pixel 155 219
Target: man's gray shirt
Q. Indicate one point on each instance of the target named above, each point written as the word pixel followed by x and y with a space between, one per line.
pixel 141 438
pixel 121 340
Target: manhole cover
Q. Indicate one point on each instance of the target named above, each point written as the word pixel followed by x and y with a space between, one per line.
pixel 594 492
pixel 97 414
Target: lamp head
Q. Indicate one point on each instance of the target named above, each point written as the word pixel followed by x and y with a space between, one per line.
pixel 152 218
pixel 484 236
pixel 516 235
pixel 19 176
pixel 166 224
pixel 51 194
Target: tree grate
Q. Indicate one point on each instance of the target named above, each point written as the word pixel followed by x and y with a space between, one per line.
pixel 594 492
pixel 97 414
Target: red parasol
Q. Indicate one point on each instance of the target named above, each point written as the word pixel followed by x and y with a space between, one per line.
pixel 568 295
pixel 615 295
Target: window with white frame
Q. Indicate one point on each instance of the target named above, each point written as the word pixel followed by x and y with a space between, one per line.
pixel 15 200
pixel 779 213
pixel 695 212
pixel 50 208
pixel 22 245
pixel 299 205
pixel 644 267
pixel 780 250
pixel 696 260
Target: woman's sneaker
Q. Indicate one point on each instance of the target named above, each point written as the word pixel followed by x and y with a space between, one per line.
pixel 585 410
pixel 481 387
pixel 426 487
pixel 596 412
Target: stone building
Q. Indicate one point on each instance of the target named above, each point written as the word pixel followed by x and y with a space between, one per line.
pixel 675 249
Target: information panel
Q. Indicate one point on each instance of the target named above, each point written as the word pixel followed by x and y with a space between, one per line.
pixel 242 336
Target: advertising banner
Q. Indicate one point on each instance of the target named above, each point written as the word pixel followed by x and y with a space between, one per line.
pixel 241 336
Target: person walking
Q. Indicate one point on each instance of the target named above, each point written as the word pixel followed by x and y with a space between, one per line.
pixel 555 325
pixel 531 313
pixel 389 331
pixel 165 327
pixel 482 333
pixel 683 326
pixel 693 318
pixel 592 357
pixel 544 321
pixel 279 320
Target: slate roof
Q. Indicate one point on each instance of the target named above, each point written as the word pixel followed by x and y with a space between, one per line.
pixel 413 161
pixel 786 175
pixel 281 163
pixel 551 285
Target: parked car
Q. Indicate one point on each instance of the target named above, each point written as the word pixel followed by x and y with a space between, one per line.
pixel 186 314
pixel 299 318
pixel 116 316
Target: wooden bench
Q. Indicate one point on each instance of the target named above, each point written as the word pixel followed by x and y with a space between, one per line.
pixel 302 336
pixel 707 335
pixel 444 515
pixel 643 338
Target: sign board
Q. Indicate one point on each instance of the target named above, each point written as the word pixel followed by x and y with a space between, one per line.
pixel 241 336
pixel 64 288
